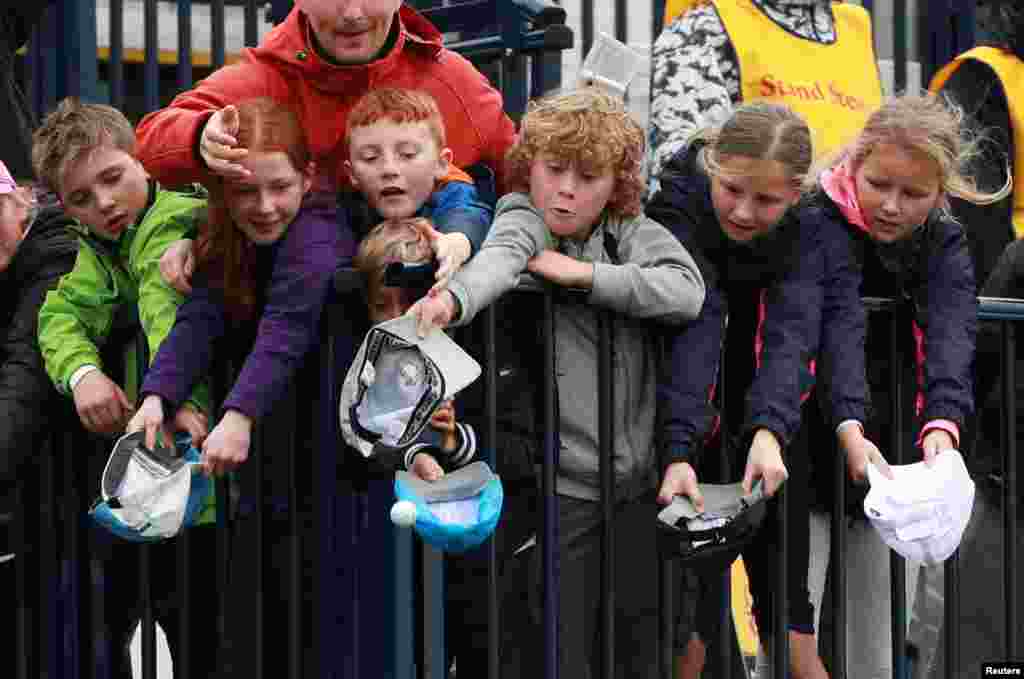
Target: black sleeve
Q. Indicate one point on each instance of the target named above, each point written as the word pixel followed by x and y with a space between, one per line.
pixel 25 389
pixel 976 88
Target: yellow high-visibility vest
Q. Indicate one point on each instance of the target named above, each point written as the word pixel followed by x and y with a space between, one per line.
pixel 1010 71
pixel 835 87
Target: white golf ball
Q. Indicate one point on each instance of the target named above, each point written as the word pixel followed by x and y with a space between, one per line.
pixel 403 513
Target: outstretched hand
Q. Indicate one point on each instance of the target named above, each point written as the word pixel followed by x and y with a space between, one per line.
pixel 764 461
pixel 219 145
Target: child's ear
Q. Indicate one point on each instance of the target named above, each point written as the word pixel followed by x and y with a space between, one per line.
pixel 351 175
pixel 308 174
pixel 444 160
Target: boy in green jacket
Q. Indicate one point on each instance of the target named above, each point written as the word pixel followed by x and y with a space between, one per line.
pixel 84 152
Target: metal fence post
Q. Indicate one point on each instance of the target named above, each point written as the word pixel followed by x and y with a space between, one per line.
pixel 606 465
pixel 1010 499
pixel 899 322
pixel 549 546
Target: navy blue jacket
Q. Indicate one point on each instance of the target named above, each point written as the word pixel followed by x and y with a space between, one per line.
pixel 791 275
pixel 934 271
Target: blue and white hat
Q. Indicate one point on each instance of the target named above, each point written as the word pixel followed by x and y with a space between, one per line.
pixel 149 495
pixel 396 383
pixel 458 511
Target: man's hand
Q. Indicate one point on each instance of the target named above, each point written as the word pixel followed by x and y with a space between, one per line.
pixel 219 145
pixel 443 420
pixel 433 311
pixel 764 461
pixel 562 270
pixel 426 467
pixel 177 265
pixel 191 420
pixel 680 479
pixel 860 452
pixel 227 446
pixel 101 404
pixel 150 417
pixel 935 441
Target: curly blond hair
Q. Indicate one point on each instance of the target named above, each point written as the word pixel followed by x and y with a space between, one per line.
pixel 589 129
pixel 73 129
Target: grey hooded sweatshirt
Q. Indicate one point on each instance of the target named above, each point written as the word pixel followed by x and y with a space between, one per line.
pixel 655 279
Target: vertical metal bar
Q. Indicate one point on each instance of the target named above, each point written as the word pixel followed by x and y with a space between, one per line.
pixel 780 638
pixel 1010 499
pixel 951 613
pixel 184 70
pixel 657 18
pixel 726 637
pixel 148 628
pixel 588 27
pixel 620 20
pixel 217 33
pixel 68 510
pixel 837 568
pixel 48 629
pixel 666 617
pixel 183 662
pixel 606 438
pixel 491 439
pixel 116 63
pixel 294 566
pixel 899 49
pixel 897 569
pixel 258 459
pixel 252 35
pixel 549 547
pixel 151 79
pixel 78 25
pixel 21 593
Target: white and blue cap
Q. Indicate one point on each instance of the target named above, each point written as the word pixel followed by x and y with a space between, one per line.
pixel 456 512
pixel 397 381
pixel 149 495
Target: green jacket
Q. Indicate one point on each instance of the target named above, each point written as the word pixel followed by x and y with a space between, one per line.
pixel 77 316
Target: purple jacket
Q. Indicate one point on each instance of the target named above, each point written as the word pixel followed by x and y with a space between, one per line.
pixel 295 276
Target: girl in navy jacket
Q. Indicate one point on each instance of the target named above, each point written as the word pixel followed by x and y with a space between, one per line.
pixel 733 199
pixel 890 189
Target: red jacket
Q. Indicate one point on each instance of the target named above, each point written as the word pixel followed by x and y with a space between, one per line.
pixel 285 67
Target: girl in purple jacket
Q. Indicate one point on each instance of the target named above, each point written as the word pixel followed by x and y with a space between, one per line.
pixel 260 257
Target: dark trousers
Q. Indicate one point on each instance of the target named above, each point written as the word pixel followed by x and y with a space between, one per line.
pixel 580 595
pixel 122 607
pixel 466 630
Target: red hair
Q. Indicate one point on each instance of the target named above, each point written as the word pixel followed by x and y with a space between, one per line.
pixel 399 106
pixel 225 254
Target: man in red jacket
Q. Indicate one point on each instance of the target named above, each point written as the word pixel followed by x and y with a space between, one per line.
pixel 320 61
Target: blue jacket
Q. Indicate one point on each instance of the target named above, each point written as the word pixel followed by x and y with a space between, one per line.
pixel 933 270
pixel 782 283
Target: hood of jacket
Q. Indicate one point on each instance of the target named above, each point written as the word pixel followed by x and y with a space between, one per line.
pixel 291 44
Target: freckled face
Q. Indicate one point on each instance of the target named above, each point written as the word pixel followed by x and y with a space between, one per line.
pixel 265 204
pixel 570 198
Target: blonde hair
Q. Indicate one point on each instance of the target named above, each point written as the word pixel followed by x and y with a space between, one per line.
pixel 931 125
pixel 587 128
pixel 393 240
pixel 763 131
pixel 75 128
